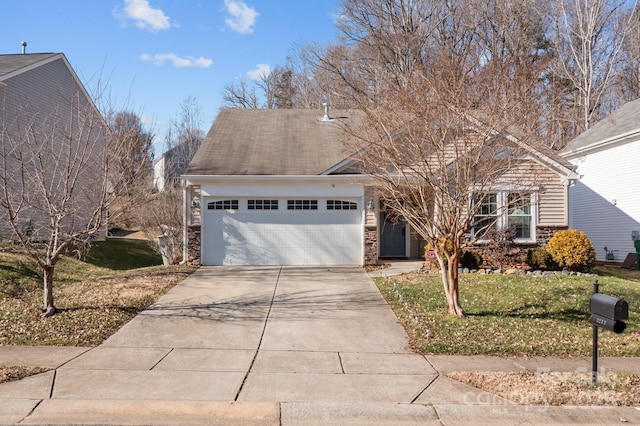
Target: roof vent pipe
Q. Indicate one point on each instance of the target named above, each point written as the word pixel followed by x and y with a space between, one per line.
pixel 326 106
pixel 24 47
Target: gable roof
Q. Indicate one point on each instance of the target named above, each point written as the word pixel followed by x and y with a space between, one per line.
pixel 538 152
pixel 272 142
pixel 621 126
pixel 10 64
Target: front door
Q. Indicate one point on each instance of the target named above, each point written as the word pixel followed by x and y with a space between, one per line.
pixel 393 241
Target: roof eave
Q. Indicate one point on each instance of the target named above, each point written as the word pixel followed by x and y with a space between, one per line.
pixel 602 144
pixel 196 179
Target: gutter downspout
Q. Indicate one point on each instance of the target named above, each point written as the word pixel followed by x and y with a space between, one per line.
pixel 185 233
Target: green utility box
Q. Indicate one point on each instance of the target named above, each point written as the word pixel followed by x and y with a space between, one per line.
pixel 636 243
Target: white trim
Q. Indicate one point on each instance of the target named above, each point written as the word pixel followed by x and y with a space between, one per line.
pixel 606 143
pixel 185 232
pixel 503 215
pixel 199 179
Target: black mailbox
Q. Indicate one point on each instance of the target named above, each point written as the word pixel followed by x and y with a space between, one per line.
pixel 609 312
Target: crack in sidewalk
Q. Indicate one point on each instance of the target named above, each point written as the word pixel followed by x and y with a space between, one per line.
pixel 264 328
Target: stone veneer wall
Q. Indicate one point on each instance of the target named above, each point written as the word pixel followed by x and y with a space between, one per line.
pixel 193 244
pixel 544 233
pixel 370 246
pixel 519 256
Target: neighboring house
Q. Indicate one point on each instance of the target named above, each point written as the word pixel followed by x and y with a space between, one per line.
pixel 604 203
pixel 277 187
pixel 159 174
pixel 168 168
pixel 42 98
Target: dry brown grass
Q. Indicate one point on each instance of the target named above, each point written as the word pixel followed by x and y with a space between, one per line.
pixel 8 374
pixel 92 302
pixel 553 388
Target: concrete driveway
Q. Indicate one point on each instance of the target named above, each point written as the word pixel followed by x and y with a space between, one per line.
pixel 246 335
pixel 257 334
pixel 271 346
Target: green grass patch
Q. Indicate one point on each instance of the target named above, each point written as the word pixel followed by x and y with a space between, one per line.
pixel 512 315
pixel 122 254
pixel 94 297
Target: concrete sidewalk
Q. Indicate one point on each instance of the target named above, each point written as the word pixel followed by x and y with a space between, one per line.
pixel 273 346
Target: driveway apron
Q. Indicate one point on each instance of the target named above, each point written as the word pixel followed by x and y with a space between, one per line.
pixel 270 334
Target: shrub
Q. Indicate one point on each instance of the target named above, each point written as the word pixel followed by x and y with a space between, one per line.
pixel 572 249
pixel 539 258
pixel 471 259
pixel 500 249
pixel 443 244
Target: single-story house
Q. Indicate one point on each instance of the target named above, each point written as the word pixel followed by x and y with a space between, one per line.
pixel 277 187
pixel 604 203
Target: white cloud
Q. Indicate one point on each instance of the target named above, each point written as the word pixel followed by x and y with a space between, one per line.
pixel 145 16
pixel 178 62
pixel 262 70
pixel 240 17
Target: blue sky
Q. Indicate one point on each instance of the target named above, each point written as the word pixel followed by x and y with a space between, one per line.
pixel 153 54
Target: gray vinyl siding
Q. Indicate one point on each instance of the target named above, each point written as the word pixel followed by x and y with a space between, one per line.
pixel 551 189
pixel 46 102
pixel 553 203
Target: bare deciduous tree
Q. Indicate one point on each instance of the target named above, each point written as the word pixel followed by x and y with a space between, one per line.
pixel 588 36
pixel 160 218
pixel 182 140
pixel 283 87
pixel 55 187
pixel 135 146
pixel 241 94
pixel 435 140
pixel 433 165
pixel 628 72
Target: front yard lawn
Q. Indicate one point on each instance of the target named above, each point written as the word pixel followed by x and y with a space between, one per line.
pixel 513 315
pixel 94 298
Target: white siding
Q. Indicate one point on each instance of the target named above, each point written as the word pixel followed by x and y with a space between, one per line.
pixel 605 202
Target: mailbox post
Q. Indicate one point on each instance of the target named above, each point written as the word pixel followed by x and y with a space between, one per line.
pixel 609 313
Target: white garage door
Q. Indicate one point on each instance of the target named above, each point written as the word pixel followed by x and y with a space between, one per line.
pixel 282 231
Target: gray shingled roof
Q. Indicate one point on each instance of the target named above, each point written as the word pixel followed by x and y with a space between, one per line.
pixel 624 120
pixel 272 142
pixel 11 63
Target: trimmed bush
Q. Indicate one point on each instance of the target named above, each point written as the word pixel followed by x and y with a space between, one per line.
pixel 443 244
pixel 539 258
pixel 471 259
pixel 572 249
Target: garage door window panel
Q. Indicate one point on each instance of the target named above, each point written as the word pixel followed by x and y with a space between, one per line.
pixel 341 205
pixel 223 205
pixel 302 204
pixel 262 204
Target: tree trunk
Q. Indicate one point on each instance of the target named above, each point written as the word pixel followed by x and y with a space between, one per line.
pixel 450 279
pixel 49 309
pixel 452 288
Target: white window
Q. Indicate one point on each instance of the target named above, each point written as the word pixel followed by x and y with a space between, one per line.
pixel 519 215
pixel 486 216
pixel 504 209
